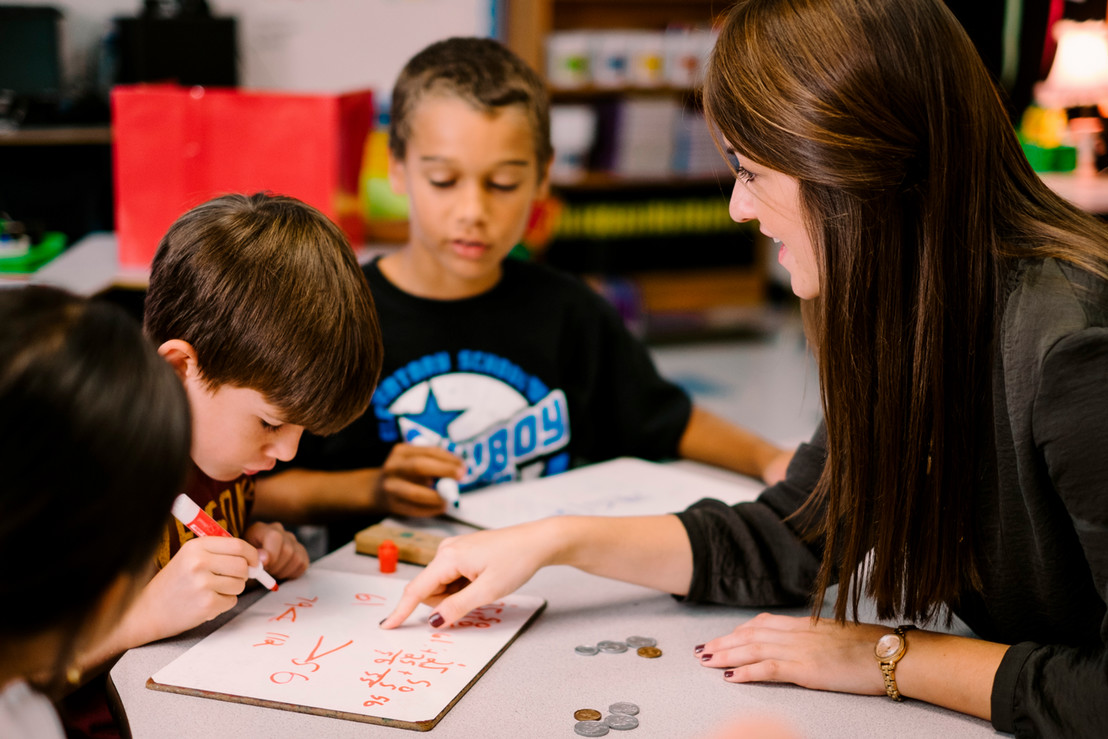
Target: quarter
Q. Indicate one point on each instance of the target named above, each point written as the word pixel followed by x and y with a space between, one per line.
pixel 590 728
pixel 625 708
pixel 621 721
pixel 612 647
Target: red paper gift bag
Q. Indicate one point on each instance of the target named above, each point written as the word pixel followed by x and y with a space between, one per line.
pixel 176 147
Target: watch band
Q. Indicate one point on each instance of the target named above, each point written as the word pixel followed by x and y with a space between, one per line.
pixel 888 652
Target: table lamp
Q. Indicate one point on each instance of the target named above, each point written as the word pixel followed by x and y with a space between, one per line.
pixel 1079 78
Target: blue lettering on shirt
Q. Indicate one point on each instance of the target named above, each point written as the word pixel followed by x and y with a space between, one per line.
pixel 494 454
pixel 497 454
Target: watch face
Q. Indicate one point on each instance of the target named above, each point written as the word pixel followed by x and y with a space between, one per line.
pixel 887 646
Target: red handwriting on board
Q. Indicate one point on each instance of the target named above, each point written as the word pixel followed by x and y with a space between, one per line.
pixel 290 614
pixel 377 680
pixel 273 639
pixel 311 661
pixel 422 660
pixel 483 617
pixel 369 599
pixel 402 680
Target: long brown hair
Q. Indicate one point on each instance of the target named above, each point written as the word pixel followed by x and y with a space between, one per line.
pixel 916 196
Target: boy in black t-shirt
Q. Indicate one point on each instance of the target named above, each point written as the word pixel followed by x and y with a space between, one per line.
pixel 508 370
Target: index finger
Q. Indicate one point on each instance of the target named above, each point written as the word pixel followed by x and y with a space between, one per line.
pixel 418 450
pixel 417 458
pixel 423 587
pixel 229 545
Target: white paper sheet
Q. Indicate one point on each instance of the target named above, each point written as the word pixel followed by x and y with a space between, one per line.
pixel 621 487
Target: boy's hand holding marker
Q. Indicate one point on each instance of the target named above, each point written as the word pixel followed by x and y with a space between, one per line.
pixel 418 479
pixel 201 524
pixel 447 487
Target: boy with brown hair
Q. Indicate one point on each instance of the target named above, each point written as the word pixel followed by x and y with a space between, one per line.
pixel 518 370
pixel 260 306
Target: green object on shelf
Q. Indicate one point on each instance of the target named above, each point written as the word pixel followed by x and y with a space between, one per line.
pixel 1065 159
pixel 52 244
pixel 1052 159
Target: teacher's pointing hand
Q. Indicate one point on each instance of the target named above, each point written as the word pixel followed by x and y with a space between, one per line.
pixel 476 569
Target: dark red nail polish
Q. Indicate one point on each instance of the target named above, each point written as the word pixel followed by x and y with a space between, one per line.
pixel 436 620
pixel 705 657
pixel 728 673
pixel 698 649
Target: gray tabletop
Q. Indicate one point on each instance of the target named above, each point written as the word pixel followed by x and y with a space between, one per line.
pixel 538 683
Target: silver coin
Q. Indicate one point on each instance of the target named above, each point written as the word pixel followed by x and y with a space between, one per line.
pixel 612 647
pixel 590 728
pixel 641 641
pixel 627 709
pixel 621 722
pixel 586 650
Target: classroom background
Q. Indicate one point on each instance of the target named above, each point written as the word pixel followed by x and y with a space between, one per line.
pixel 117 115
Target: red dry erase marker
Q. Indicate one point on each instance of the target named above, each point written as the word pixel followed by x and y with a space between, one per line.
pixel 191 515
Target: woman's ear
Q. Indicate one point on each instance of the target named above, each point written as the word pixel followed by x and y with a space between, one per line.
pixel 181 357
pixel 398 175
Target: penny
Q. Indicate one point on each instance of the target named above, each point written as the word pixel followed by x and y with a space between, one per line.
pixel 641 641
pixel 586 650
pixel 621 722
pixel 625 708
pixel 587 714
pixel 590 728
pixel 611 647
pixel 649 652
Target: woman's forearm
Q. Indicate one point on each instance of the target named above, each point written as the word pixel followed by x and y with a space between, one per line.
pixel 645 550
pixel 950 671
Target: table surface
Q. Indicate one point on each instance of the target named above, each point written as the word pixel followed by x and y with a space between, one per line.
pixel 535 686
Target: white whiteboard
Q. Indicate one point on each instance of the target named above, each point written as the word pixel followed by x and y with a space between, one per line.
pixel 620 487
pixel 315 646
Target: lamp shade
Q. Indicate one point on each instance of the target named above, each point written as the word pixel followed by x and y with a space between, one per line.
pixel 1079 74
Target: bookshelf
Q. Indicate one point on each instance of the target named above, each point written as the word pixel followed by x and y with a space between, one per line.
pixel 686 271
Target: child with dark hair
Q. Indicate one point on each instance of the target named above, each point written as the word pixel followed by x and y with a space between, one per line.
pixel 521 371
pixel 98 449
pixel 259 305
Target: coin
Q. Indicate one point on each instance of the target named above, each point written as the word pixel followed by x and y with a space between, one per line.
pixel 586 650
pixel 627 709
pixel 621 721
pixel 649 652
pixel 641 641
pixel 587 714
pixel 612 647
pixel 590 728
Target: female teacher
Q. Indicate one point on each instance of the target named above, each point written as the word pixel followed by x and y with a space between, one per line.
pixel 958 310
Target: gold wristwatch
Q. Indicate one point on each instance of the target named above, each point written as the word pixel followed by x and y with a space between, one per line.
pixel 889 650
